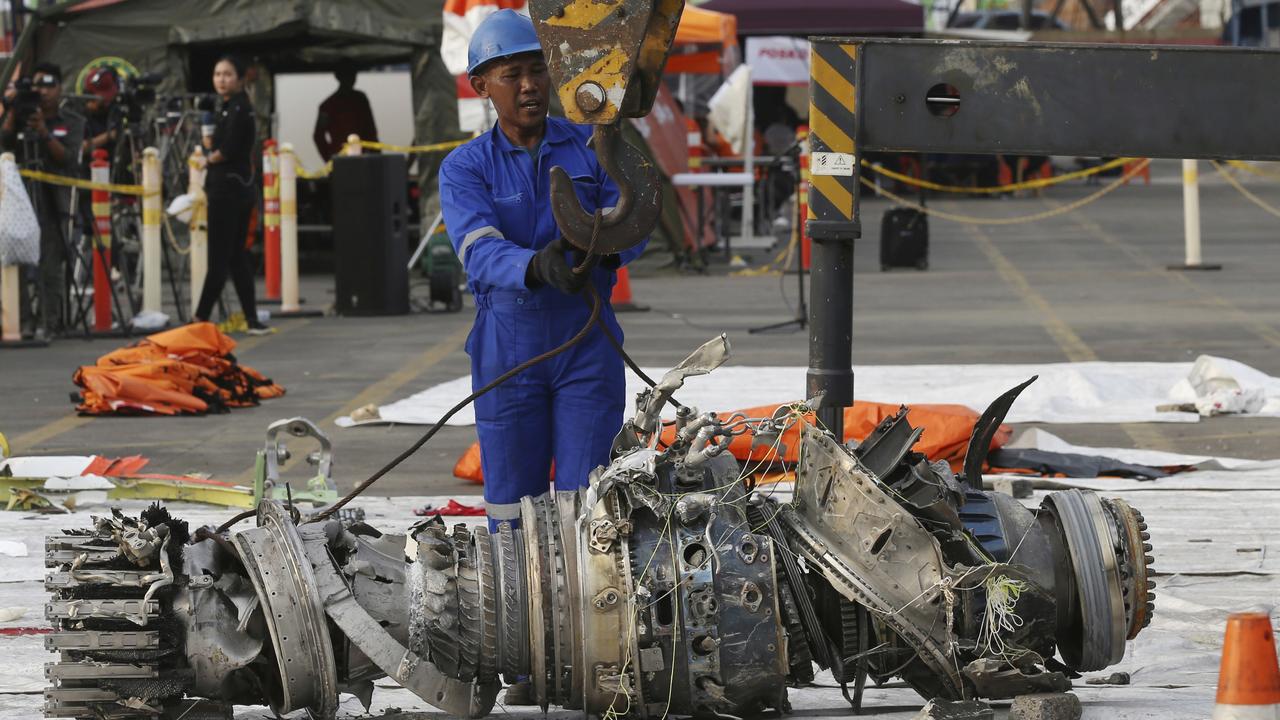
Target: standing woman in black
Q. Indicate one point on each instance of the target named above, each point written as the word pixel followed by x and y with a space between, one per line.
pixel 231 192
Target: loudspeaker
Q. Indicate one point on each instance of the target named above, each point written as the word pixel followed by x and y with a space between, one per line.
pixel 369 242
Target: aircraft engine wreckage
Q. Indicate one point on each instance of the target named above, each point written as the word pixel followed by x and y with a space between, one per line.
pixel 668 587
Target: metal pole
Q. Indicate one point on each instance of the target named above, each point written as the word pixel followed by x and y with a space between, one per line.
pixel 10 312
pixel 426 238
pixel 151 249
pixel 1191 219
pixel 1191 210
pixel 749 149
pixel 197 168
pixel 289 302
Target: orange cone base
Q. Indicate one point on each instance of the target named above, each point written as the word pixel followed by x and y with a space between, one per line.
pixel 1249 678
pixel 1246 712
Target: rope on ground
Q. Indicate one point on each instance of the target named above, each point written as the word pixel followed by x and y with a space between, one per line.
pixel 974 220
pixel 776 265
pixel 1254 169
pixel 1244 190
pixel 53 179
pixel 1024 185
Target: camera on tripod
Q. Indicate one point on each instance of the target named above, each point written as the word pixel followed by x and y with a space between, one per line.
pixel 136 95
pixel 26 101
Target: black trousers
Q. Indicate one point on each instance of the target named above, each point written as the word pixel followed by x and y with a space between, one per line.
pixel 229 211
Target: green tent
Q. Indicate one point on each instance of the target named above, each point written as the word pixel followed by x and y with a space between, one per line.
pixel 179 40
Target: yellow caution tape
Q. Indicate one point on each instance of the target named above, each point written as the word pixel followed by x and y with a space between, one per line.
pixel 1245 191
pixel 325 171
pixel 66 181
pixel 408 149
pixel 1025 185
pixel 973 220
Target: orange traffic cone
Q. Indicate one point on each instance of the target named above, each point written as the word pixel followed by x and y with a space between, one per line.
pixel 1249 679
pixel 621 297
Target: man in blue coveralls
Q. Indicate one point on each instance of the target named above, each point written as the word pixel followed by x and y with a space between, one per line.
pixel 496 197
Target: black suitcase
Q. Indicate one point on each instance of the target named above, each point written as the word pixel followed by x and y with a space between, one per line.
pixel 904 239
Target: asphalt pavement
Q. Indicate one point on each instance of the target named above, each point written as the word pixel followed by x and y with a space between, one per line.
pixel 1086 284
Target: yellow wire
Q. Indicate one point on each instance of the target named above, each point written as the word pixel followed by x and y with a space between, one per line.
pixel 1245 191
pixel 1253 169
pixel 67 181
pixel 1025 185
pixel 974 220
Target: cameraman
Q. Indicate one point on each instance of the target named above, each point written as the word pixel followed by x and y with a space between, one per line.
pixel 100 128
pixel 37 132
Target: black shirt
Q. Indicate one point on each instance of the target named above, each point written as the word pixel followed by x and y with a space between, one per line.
pixel 233 134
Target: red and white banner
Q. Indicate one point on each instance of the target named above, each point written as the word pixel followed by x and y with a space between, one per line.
pixel 778 60
pixel 461 18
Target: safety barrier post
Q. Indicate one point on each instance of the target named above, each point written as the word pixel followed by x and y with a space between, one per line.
pixel 353 145
pixel 271 219
pixel 693 142
pixel 291 301
pixel 100 172
pixel 197 168
pixel 1191 218
pixel 151 249
pixel 10 310
pixel 802 194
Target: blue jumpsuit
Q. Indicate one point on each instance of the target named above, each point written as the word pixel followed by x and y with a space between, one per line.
pixel 496 202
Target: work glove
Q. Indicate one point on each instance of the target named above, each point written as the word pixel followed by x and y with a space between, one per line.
pixel 550 267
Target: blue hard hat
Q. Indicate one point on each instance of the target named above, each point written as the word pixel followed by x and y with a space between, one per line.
pixel 502 34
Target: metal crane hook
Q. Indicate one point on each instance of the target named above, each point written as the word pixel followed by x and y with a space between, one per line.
pixel 639 197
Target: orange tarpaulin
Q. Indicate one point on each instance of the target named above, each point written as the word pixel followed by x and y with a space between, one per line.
pixel 698 26
pixel 705 28
pixel 946 435
pixel 187 370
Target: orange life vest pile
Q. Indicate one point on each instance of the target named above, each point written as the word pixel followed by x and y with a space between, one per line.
pixel 187 370
pixel 946 436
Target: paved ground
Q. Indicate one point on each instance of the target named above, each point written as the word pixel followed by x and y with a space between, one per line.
pixel 1087 284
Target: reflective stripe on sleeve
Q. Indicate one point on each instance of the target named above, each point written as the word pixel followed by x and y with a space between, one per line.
pixel 474 235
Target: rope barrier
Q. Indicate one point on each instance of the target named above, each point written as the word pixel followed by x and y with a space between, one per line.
pixel 412 149
pixel 1253 169
pixel 974 220
pixel 306 174
pixel 66 181
pixel 1024 185
pixel 1245 191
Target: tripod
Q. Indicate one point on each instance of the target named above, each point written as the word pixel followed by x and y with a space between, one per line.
pixel 801 320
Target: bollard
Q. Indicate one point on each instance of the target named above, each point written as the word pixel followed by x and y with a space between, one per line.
pixel 693 143
pixel 151 219
pixel 271 219
pixel 197 169
pixel 291 302
pixel 100 172
pixel 802 195
pixel 352 147
pixel 1191 219
pixel 10 309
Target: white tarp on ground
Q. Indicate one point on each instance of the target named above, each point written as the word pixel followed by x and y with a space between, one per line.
pixel 1040 439
pixel 1086 392
pixel 1212 557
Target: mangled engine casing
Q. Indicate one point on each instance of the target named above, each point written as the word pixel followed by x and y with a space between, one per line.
pixel 671 585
